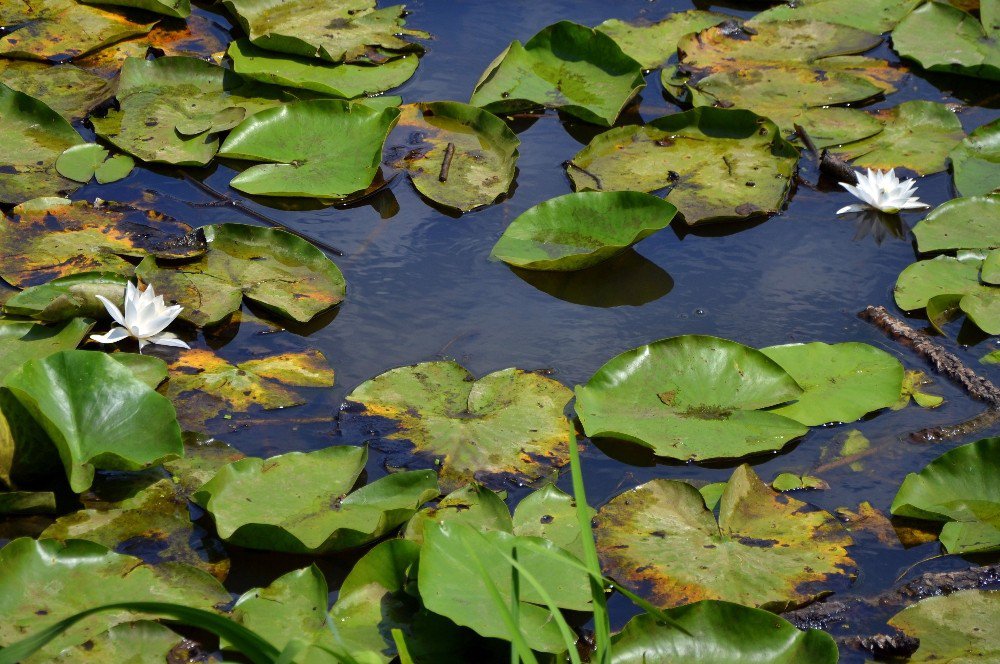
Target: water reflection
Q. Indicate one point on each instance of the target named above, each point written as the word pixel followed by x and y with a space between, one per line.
pixel 879 226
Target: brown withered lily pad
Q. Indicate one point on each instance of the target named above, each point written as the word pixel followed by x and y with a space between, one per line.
pixel 767 550
pixel 69 91
pixel 52 237
pixel 508 426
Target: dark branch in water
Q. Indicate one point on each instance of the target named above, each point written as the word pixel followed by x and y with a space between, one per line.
pixel 807 141
pixel 836 167
pixel 597 180
pixel 449 152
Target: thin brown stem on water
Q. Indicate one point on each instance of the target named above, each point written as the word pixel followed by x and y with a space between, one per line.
pixel 569 164
pixel 449 153
pixel 807 141
pixel 836 167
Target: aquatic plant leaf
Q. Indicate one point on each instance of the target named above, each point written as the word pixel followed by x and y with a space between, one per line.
pixel 173 108
pixel 483 153
pixel 337 80
pixel 720 632
pixel 691 397
pixel 80 162
pixel 69 91
pixel 35 576
pixel 303 503
pixel 96 413
pixel 21 341
pixel 923 281
pixel 841 382
pixel 114 169
pixel 454 560
pixel 652 44
pixel 270 267
pixel 951 627
pixel 767 550
pixel 47 238
pixel 990 270
pixel 550 513
pixel 125 642
pixel 323 148
pixel 975 162
pixel 875 16
pixel 17 503
pixel 566 66
pixel 913 387
pixel 203 385
pixel 579 230
pixel 34 137
pixel 149 369
pixel 203 458
pixel 473 504
pixel 958 488
pixel 175 8
pixel 793 482
pixel 720 165
pixel 508 426
pixel 917 135
pixel 712 494
pixel 69 297
pixel 943 38
pixel 961 223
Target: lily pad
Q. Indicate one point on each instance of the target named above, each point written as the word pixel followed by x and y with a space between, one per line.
pixel 550 513
pixel 21 341
pixel 324 148
pixel 203 458
pixel 35 136
pixel 126 642
pixel 47 238
pixel 114 169
pixel 566 66
pixel 69 91
pixel 875 16
pixel 473 504
pixel 691 397
pixel 918 135
pixel 961 223
pixel 269 267
pixel 175 8
pixel 339 30
pixel 150 370
pixel 767 550
pixel 975 162
pixel 793 482
pixel 652 44
pixel 203 385
pixel 18 503
pixel 96 413
pixel 841 382
pixel 953 628
pixel 457 155
pixel 35 576
pixel 303 503
pixel 720 165
pixel 69 297
pixel 923 281
pixel 576 231
pixel 508 426
pixel 80 162
pixel 720 633
pixel 943 38
pixel 958 488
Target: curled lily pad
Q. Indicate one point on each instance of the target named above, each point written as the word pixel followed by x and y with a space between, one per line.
pixel 940 37
pixel 961 223
pixel 975 161
pixel 35 577
pixel 324 148
pixel 69 91
pixel 303 503
pixel 719 165
pixel 841 382
pixel 96 413
pixel 924 281
pixel 652 44
pixel 457 155
pixel 473 504
pixel 69 297
pixel 958 488
pixel 34 137
pixel 507 426
pixel 566 66
pixel 875 16
pixel 767 550
pixel 691 397
pixel 21 341
pixel 953 628
pixel 580 230
pixel 720 632
pixel 52 237
pixel 273 268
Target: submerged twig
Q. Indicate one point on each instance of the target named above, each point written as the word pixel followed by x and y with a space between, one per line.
pixel 570 164
pixel 836 167
pixel 449 153
pixel 808 141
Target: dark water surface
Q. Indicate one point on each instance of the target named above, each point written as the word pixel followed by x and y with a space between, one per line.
pixel 420 286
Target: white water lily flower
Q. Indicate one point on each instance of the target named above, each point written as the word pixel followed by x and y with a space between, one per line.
pixel 882 191
pixel 145 318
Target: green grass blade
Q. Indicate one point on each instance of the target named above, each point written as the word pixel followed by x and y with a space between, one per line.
pixel 400 641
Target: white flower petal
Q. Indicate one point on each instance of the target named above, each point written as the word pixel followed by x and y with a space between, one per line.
pixel 167 339
pixel 158 323
pixel 114 336
pixel 112 310
pixel 854 207
pixel 132 296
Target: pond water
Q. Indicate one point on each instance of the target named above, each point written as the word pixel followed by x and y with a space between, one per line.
pixel 421 286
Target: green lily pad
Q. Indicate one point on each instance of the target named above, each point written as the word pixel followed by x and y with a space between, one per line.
pixel 337 80
pixel 508 426
pixel 566 66
pixel 69 297
pixel 652 44
pixel 691 397
pixel 80 162
pixel 457 564
pixel 943 38
pixel 69 91
pixel 913 387
pixel 125 642
pixel 35 576
pixel 767 550
pixel 150 370
pixel 96 413
pixel 483 153
pixel 17 503
pixel 269 267
pixel 975 162
pixel 47 238
pixel 303 503
pixel 550 513
pixel 324 148
pixel 720 633
pixel 114 169
pixel 924 281
pixel 841 382
pixel 990 270
pixel 712 494
pixel 203 458
pixel 720 165
pixel 173 108
pixel 958 488
pixel 576 231
pixel 953 628
pixel 21 341
pixel 918 135
pixel 473 504
pixel 875 16
pixel 203 385
pixel 340 30
pixel 35 136
pixel 175 8
pixel 961 223
pixel 793 482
